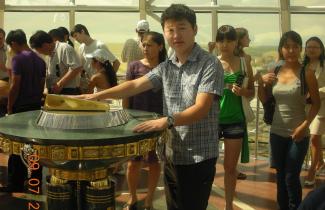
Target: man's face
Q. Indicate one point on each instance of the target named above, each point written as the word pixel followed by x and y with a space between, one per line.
pixel 2 39
pixel 140 34
pixel 180 35
pixel 78 37
pixel 45 49
pixel 14 47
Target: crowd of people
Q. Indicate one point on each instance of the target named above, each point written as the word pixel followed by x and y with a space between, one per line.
pixel 198 94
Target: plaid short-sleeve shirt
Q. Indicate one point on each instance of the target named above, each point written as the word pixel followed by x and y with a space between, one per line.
pixel 201 73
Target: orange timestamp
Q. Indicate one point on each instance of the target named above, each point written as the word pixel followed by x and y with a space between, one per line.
pixel 33 183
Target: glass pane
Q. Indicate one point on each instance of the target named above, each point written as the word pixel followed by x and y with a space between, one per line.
pixel 247 3
pixel 28 20
pixel 187 2
pixel 108 2
pixel 111 32
pixel 204 29
pixel 37 2
pixel 315 25
pixel 264 33
pixel 155 24
pixel 307 3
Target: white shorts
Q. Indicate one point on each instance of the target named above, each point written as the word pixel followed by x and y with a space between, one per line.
pixel 317 126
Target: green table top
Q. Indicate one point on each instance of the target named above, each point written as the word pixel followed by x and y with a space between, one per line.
pixel 22 127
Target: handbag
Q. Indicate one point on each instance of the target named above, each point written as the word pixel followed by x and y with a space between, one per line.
pixel 269 108
pixel 248 111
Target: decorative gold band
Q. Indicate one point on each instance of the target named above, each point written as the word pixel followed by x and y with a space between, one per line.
pixel 61 152
pixel 90 175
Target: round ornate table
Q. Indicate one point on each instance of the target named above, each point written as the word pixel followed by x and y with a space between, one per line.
pixel 78 155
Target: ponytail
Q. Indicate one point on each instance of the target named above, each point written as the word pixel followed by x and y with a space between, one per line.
pixel 110 73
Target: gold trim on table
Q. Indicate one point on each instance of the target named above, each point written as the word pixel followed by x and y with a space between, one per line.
pixel 61 152
pixel 79 174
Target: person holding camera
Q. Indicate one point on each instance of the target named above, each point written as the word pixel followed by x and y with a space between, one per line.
pixel 232 125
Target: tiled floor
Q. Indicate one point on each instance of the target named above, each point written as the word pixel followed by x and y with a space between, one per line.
pixel 257 192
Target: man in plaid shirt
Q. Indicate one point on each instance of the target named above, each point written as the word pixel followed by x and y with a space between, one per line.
pixel 192 81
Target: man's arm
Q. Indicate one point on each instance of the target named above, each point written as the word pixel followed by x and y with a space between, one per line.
pixel 124 90
pixel 72 61
pixel 65 79
pixel 190 115
pixel 196 112
pixel 13 92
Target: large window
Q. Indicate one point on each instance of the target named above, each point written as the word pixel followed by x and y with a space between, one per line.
pixel 264 33
pixel 33 21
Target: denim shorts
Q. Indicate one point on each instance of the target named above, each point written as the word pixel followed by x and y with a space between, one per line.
pixel 232 131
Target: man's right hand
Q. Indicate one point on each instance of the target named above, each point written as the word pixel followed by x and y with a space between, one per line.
pixel 268 78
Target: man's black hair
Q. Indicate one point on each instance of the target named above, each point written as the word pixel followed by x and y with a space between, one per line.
pixel 178 12
pixel 78 29
pixel 18 36
pixel 56 34
pixel 39 38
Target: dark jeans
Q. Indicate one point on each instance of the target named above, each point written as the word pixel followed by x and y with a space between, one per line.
pixel 288 157
pixel 188 186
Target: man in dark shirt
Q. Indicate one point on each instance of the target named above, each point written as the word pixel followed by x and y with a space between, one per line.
pixel 25 94
pixel 29 72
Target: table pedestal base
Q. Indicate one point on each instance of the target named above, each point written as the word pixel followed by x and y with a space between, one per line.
pixel 80 194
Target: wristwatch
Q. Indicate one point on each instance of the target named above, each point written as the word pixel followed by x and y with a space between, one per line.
pixel 170 121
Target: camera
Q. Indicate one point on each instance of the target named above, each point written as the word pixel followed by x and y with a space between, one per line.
pixel 239 80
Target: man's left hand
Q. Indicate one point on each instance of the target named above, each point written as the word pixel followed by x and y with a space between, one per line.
pixel 151 125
